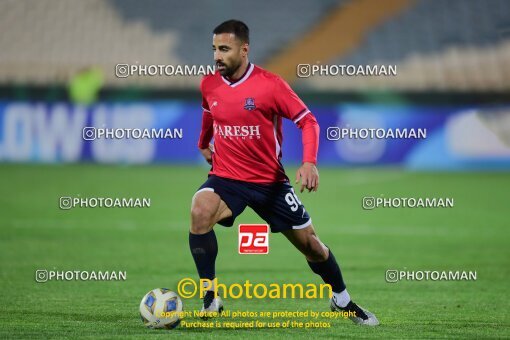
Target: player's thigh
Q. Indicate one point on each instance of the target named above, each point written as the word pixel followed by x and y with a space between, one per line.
pixel 280 207
pixel 207 208
pixel 307 242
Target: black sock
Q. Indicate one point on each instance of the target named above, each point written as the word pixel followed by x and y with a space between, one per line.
pixel 204 249
pixel 330 272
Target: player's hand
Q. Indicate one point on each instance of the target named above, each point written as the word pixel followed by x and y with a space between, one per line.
pixel 309 176
pixel 207 153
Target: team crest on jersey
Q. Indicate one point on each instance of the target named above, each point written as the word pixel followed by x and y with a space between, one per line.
pixel 249 104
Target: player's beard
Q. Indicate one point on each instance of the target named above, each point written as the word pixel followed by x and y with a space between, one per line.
pixel 228 71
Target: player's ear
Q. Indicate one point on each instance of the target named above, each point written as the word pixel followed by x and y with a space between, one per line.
pixel 245 48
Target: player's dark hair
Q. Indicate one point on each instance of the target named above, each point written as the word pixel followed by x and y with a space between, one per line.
pixel 238 28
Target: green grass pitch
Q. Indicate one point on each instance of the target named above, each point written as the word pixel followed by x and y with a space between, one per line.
pixel 152 246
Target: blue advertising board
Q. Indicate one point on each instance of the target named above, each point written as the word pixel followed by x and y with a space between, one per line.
pixel 417 137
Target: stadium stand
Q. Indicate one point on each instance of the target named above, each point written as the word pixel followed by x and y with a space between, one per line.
pixel 272 25
pixel 437 45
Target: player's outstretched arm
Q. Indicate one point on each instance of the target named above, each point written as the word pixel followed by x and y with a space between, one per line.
pixel 308 173
pixel 290 106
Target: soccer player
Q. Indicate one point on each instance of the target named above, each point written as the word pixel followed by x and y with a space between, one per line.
pixel 243 106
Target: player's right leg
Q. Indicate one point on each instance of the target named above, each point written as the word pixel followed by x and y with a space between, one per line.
pixel 207 208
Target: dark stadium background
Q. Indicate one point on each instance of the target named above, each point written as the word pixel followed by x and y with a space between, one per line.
pixel 57 75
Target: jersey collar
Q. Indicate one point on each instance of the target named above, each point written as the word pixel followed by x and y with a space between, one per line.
pixel 245 76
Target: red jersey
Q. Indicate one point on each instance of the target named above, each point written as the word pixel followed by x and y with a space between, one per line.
pixel 245 119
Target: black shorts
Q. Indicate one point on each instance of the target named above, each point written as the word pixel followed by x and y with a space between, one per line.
pixel 276 203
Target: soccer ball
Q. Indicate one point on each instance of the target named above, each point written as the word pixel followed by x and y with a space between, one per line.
pixel 161 308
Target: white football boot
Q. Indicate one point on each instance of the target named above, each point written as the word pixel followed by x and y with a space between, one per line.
pixel 211 308
pixel 363 317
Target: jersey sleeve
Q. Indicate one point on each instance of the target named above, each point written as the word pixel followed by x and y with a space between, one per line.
pixel 310 136
pixel 207 131
pixel 288 104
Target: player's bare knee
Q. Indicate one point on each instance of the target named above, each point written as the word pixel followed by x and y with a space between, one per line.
pixel 315 250
pixel 202 217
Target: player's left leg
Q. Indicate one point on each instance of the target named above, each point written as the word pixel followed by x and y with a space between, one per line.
pixel 323 263
pixel 279 206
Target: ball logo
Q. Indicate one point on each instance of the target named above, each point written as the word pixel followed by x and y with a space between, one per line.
pixel 253 239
